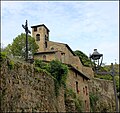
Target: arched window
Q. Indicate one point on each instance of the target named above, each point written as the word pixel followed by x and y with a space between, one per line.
pixel 44 57
pixel 52 48
pixel 38 37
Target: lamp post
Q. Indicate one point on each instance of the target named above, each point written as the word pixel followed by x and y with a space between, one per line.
pixel 27 31
pixel 95 58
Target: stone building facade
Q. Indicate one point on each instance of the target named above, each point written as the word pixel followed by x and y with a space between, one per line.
pixel 78 75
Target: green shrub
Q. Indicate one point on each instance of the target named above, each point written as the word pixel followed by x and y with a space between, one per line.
pixel 56 69
pixel 79 105
pixel 59 72
pixel 40 64
pixel 78 101
pixel 10 64
pixel 70 93
pixel 2 56
pixel 93 100
pixel 83 58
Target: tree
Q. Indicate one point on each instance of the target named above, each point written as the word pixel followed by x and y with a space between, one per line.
pixel 83 57
pixel 7 49
pixel 17 48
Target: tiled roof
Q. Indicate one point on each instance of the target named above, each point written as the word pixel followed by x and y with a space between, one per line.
pixel 40 26
pixel 45 52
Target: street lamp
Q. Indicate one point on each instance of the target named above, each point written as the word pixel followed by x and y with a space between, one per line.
pixel 27 31
pixel 96 59
pixel 96 64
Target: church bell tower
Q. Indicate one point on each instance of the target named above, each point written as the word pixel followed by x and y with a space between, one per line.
pixel 41 35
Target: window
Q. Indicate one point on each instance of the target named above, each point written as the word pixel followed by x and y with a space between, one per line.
pixel 35 28
pixel 52 48
pixel 45 44
pixel 38 37
pixel 47 32
pixel 62 53
pixel 44 57
pixel 86 90
pixel 77 87
pixel 85 104
pixel 45 37
pixel 83 90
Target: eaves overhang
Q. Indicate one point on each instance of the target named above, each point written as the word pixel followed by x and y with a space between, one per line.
pixel 78 71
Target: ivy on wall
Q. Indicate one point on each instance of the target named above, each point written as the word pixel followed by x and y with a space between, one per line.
pixel 93 100
pixel 56 69
pixel 10 63
pixel 79 106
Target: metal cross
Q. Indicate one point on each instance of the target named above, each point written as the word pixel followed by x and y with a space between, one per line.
pixel 27 31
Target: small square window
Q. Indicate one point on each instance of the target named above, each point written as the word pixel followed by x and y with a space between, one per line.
pixel 44 57
pixel 35 28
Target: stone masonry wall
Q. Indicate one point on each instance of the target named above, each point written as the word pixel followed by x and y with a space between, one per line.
pixel 105 93
pixel 24 90
pixel 88 71
pixel 82 93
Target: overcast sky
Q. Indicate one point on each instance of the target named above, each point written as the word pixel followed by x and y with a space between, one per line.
pixel 82 25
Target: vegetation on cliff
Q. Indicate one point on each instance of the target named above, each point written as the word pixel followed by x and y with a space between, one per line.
pixel 57 70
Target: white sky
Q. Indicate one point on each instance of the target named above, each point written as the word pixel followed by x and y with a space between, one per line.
pixel 83 25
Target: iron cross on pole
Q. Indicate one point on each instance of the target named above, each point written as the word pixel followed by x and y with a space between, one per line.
pixel 27 31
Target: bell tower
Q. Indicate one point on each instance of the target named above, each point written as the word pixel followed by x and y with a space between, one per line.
pixel 41 35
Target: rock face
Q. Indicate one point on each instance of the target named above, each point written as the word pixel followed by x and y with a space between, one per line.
pixel 103 90
pixel 24 90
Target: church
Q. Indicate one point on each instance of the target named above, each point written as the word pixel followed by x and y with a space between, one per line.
pixel 78 75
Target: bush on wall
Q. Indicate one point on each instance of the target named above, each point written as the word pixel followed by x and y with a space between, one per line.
pixel 69 93
pixel 57 70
